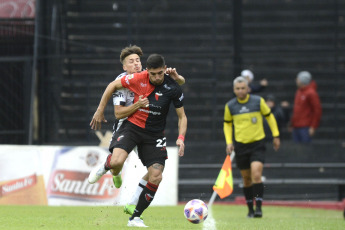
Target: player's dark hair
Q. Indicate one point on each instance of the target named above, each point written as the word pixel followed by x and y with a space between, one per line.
pixel 130 50
pixel 155 61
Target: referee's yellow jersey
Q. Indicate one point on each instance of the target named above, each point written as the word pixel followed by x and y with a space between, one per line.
pixel 246 116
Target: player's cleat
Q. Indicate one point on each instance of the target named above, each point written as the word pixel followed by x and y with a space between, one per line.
pixel 129 209
pixel 117 181
pixel 258 213
pixel 97 173
pixel 250 214
pixel 136 222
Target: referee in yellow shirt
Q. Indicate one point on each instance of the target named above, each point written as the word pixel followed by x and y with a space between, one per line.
pixel 245 113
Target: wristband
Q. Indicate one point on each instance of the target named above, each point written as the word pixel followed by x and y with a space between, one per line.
pixel 181 137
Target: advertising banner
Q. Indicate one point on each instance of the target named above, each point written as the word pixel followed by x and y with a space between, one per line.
pixel 21 178
pixel 68 184
pixel 57 175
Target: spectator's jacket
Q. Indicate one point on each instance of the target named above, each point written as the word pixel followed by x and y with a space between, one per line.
pixel 307 107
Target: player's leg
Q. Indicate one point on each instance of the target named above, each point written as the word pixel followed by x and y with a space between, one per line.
pixel 155 177
pixel 116 162
pixel 141 185
pixel 130 207
pixel 113 162
pixel 147 195
pixel 153 156
pixel 258 186
pixel 121 144
pixel 117 179
pixel 248 191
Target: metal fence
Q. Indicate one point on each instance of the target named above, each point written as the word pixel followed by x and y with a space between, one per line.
pixel 16 45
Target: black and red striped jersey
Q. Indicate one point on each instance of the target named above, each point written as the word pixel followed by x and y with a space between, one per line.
pixel 154 117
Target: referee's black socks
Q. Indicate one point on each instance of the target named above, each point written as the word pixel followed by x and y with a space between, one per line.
pixel 258 190
pixel 248 194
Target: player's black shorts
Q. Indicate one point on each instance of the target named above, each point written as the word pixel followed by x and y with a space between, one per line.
pixel 245 154
pixel 151 146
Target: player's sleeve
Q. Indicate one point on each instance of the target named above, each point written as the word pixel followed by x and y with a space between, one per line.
pixel 178 98
pixel 227 125
pixel 125 81
pixel 119 97
pixel 132 81
pixel 271 120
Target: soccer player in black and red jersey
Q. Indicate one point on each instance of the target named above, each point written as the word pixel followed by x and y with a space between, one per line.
pixel 145 127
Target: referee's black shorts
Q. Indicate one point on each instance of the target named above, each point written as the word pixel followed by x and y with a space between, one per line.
pixel 151 146
pixel 245 154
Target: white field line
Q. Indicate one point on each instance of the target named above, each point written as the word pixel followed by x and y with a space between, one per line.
pixel 210 222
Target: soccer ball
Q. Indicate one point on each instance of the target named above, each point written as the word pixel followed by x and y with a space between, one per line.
pixel 196 211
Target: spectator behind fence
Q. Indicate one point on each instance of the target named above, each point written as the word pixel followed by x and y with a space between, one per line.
pixel 279 113
pixel 254 88
pixel 306 109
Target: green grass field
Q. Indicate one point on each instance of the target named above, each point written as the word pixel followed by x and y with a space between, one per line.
pixel 225 217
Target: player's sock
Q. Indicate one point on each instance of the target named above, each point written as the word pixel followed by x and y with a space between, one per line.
pixel 117 179
pixel 258 190
pixel 107 165
pixel 135 197
pixel 248 194
pixel 145 199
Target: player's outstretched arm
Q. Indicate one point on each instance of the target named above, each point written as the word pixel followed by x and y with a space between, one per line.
pixel 182 129
pixel 174 75
pixel 98 117
pixel 125 111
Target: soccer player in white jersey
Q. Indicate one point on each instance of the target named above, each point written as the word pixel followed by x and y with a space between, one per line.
pixel 124 107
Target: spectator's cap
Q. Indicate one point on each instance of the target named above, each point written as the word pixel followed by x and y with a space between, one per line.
pixel 248 73
pixel 304 77
pixel 270 97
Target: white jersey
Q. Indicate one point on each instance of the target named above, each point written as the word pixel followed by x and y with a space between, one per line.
pixel 123 97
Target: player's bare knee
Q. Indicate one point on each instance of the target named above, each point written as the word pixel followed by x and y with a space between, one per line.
pixel 116 162
pixel 155 179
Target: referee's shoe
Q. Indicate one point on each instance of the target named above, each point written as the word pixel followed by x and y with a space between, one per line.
pixel 250 214
pixel 258 213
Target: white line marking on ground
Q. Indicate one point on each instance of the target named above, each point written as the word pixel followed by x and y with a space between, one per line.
pixel 210 222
